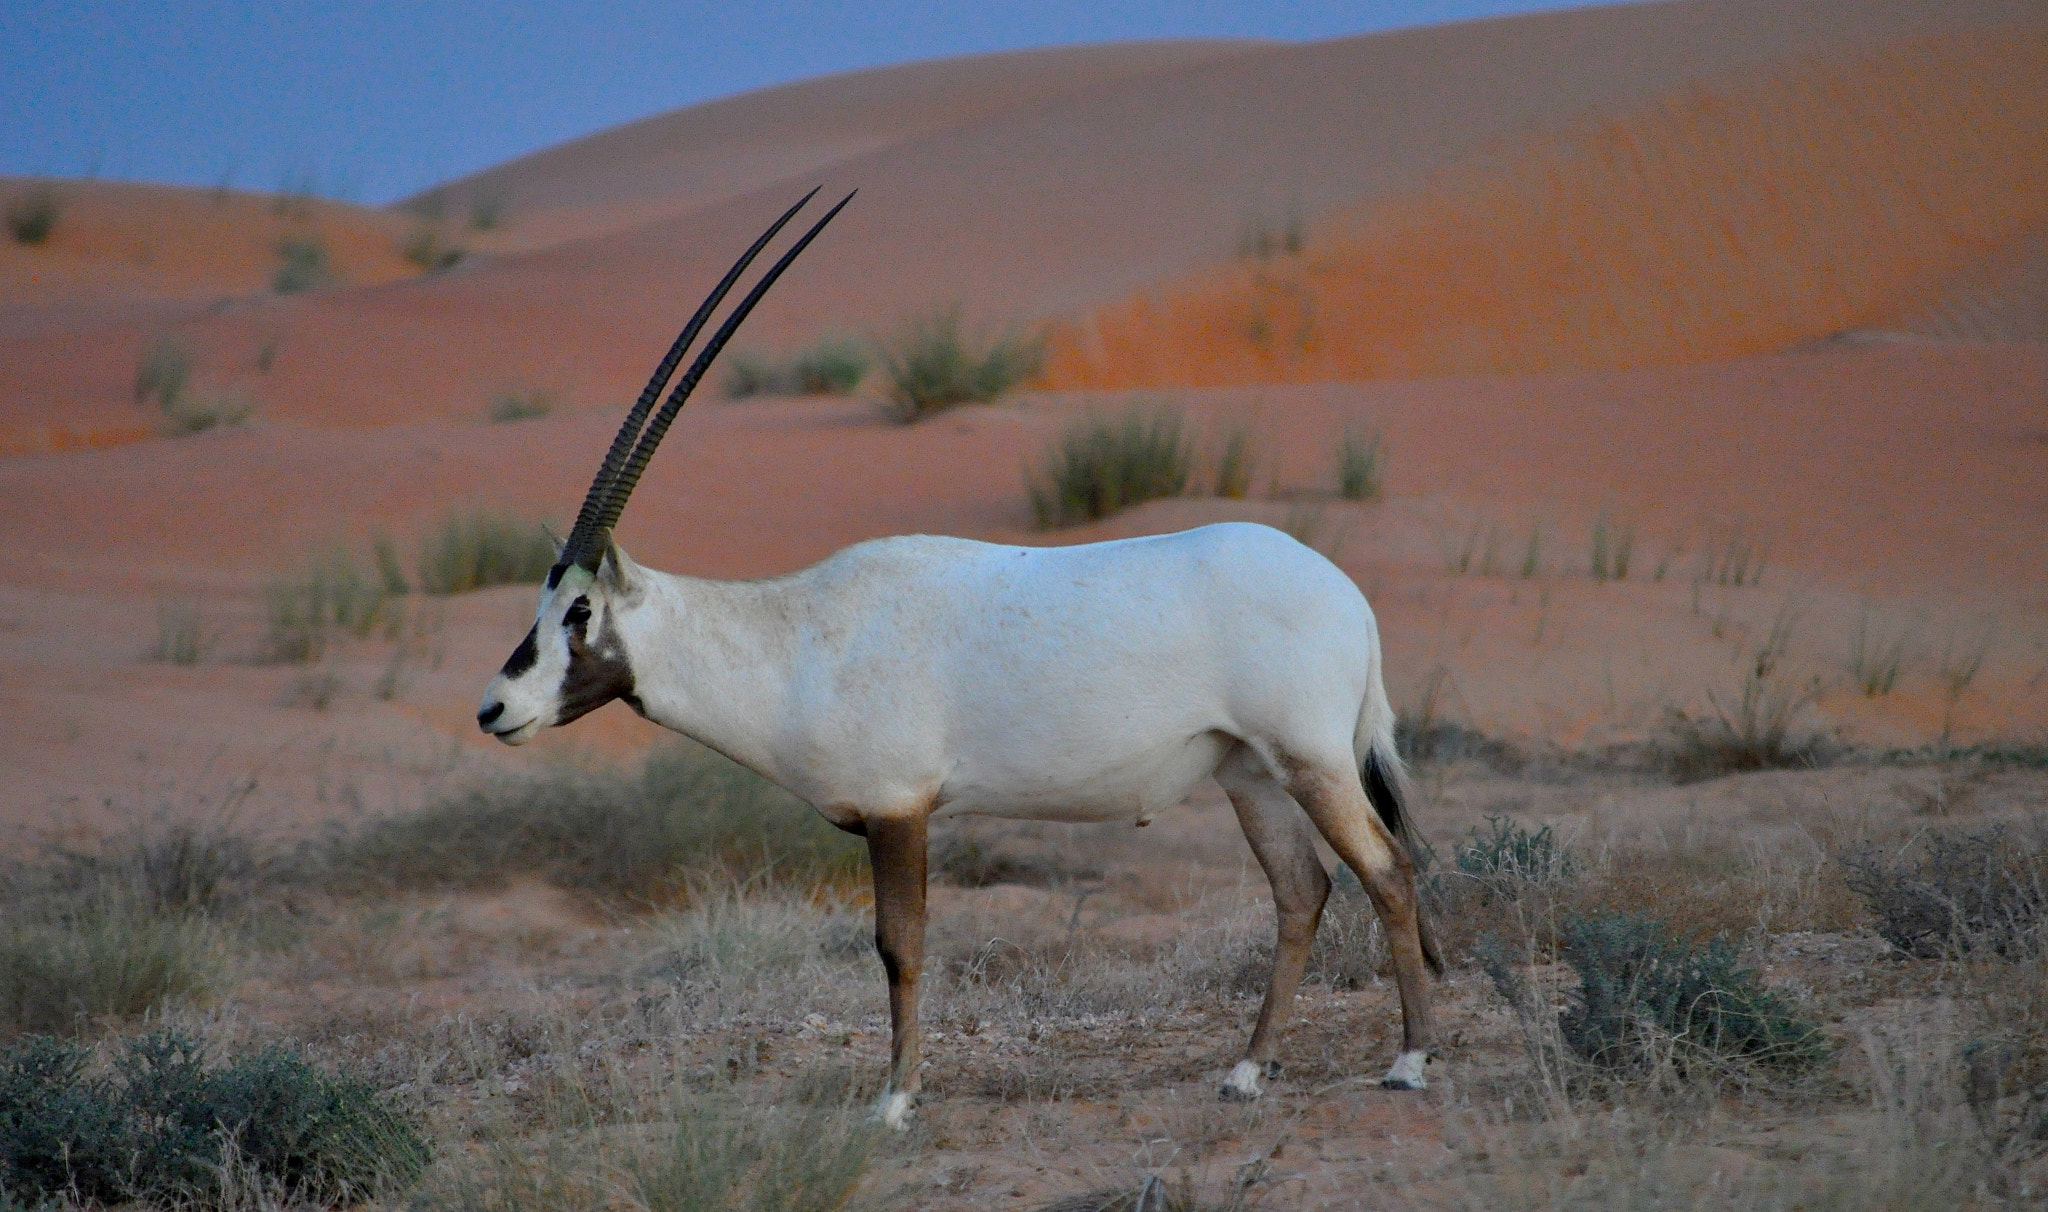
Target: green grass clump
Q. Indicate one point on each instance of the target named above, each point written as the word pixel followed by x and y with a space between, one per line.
pixel 181 638
pixel 477 550
pixel 32 217
pixel 719 1156
pixel 833 366
pixel 1877 660
pixel 1614 546
pixel 163 371
pixel 166 1128
pixel 1645 995
pixel 521 405
pixel 1099 465
pixel 429 251
pixel 331 595
pixel 932 365
pixel 1236 460
pixel 1361 466
pixel 101 956
pixel 687 814
pixel 303 265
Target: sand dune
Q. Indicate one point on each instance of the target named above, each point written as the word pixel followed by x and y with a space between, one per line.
pixel 690 158
pixel 1736 216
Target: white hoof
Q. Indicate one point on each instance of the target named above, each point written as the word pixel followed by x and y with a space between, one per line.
pixel 1244 1084
pixel 894 1110
pixel 1407 1072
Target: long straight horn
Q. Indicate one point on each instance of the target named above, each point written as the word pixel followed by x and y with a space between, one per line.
pixel 586 528
pixel 629 475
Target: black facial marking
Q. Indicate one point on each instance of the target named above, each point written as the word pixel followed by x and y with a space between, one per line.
pixel 598 672
pixel 524 656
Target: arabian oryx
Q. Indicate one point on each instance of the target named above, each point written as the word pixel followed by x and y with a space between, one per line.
pixel 912 677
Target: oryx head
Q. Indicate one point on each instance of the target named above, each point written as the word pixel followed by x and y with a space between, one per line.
pixel 575 659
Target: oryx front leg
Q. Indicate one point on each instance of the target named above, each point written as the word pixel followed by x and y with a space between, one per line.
pixel 896 850
pixel 1284 843
pixel 1334 798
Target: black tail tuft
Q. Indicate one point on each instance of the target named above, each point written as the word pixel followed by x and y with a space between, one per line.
pixel 1383 787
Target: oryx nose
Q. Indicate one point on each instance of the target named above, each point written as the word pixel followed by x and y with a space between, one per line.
pixel 487 716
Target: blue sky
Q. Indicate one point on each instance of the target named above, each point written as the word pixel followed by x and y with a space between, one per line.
pixel 376 100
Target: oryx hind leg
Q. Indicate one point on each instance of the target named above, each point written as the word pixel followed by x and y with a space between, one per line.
pixel 1284 843
pixel 1330 791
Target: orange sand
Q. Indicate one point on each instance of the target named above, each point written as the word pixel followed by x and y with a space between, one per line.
pixel 1732 217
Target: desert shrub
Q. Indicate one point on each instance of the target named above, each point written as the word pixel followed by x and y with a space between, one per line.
pixel 832 366
pixel 686 814
pixel 212 408
pixel 486 212
pixel 1100 465
pixel 330 595
pixel 719 1156
pixel 932 365
pixel 97 956
pixel 33 216
pixel 1421 737
pixel 1260 237
pixel 431 252
pixel 1876 660
pixel 1613 547
pixel 1984 892
pixel 163 371
pixel 167 1128
pixel 1645 995
pixel 477 550
pixel 1508 851
pixel 521 405
pixel 1757 728
pixel 302 265
pixel 181 638
pixel 1361 466
pixel 1236 459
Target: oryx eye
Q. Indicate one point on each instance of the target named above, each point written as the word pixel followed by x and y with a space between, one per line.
pixel 577 614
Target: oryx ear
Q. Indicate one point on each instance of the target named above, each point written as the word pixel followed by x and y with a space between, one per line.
pixel 553 538
pixel 618 571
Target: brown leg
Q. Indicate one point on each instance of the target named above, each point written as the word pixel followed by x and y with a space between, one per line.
pixel 1335 800
pixel 896 850
pixel 1284 844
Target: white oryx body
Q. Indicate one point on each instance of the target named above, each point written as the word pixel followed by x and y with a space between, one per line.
pixel 910 677
pixel 938 676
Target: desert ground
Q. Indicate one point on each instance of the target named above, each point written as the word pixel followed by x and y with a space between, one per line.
pixel 1672 378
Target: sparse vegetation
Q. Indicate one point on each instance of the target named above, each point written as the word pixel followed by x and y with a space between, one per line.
pixel 1614 545
pixel 168 1129
pixel 181 638
pixel 1361 465
pixel 100 954
pixel 302 265
pixel 33 215
pixel 830 366
pixel 163 371
pixel 1646 1002
pixel 429 250
pixel 330 595
pixel 1731 560
pixel 513 405
pixel 932 364
pixel 1261 237
pixel 479 549
pixel 1100 465
pixel 1758 727
pixel 208 408
pixel 1237 458
pixel 686 815
pixel 486 212
pixel 1985 892
pixel 1877 660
